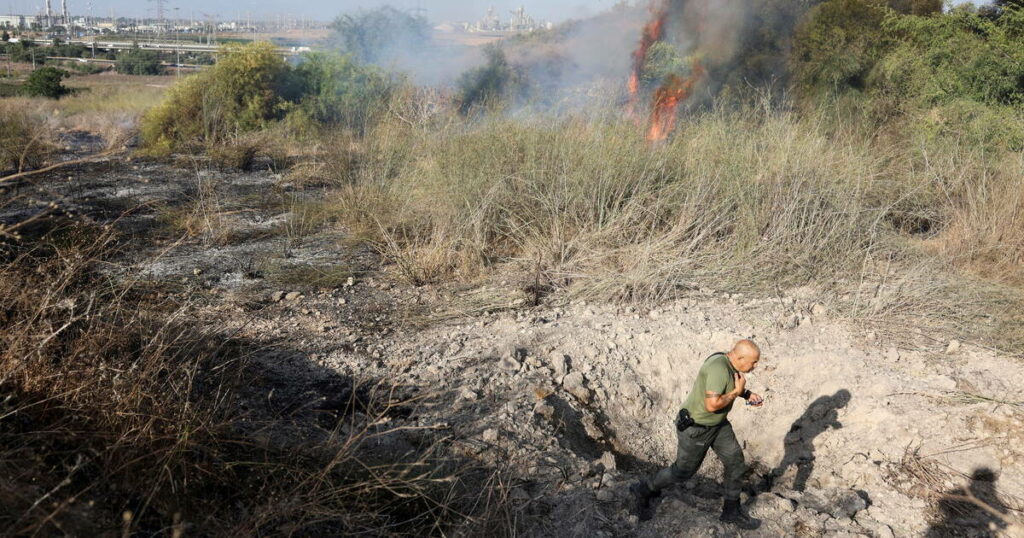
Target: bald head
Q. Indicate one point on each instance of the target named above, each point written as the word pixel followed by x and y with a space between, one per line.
pixel 744 355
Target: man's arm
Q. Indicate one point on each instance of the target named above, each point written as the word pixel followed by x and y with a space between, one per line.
pixel 714 402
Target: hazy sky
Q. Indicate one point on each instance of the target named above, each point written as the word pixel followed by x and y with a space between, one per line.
pixel 436 10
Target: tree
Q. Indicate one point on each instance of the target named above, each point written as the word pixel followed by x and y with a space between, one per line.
pixel 46 82
pixel 379 35
pixel 139 62
pixel 5 37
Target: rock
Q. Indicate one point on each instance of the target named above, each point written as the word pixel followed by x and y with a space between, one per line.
pixel 560 363
pixel 468 394
pixel 574 384
pixel 838 503
pixel 608 460
pixel 953 347
pixel 583 394
pixel 197 271
pixel 573 380
pixel 292 296
pixel 605 495
pixel 490 435
pixel 590 426
pixel 277 296
pixel 544 410
pixel 350 282
pixel 818 310
pixel 510 363
pixel 534 362
pixel 876 528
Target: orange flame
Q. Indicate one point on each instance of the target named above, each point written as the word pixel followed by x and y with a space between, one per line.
pixel 651 34
pixel 667 98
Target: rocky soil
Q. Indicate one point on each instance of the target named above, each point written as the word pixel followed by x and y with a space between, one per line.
pixel 862 438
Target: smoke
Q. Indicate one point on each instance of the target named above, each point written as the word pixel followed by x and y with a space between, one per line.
pixel 739 44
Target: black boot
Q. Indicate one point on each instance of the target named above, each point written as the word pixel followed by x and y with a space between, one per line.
pixel 641 501
pixel 732 513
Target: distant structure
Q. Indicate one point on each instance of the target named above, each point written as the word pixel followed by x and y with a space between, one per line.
pixel 519 22
pixel 49 14
pixel 65 18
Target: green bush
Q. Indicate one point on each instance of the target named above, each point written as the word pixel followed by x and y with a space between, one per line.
pixel 46 82
pixel 241 93
pixel 139 62
pixel 837 44
pixel 336 90
pixel 251 88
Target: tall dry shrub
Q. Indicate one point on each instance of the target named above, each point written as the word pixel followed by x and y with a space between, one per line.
pixel 25 140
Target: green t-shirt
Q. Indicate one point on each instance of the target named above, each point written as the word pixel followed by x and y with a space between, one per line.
pixel 716 375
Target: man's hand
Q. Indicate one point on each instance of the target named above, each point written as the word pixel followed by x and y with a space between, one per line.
pixel 755 400
pixel 741 383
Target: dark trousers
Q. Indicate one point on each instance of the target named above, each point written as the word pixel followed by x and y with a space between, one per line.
pixel 694 443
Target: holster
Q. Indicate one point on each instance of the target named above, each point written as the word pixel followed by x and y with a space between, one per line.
pixel 683 420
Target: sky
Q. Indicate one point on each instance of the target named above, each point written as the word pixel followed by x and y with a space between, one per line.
pixel 436 10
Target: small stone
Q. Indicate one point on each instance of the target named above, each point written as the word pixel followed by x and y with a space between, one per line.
pixel 490 435
pixel 350 282
pixel 544 410
pixel 953 347
pixel 608 460
pixel 560 362
pixel 818 310
pixel 197 271
pixel 277 296
pixel 510 363
pixel 605 495
pixel 292 296
pixel 468 394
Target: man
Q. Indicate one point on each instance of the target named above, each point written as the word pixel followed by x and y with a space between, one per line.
pixel 702 424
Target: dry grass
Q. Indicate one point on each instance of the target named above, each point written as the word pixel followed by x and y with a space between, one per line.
pixel 119 416
pixel 754 200
pixel 26 140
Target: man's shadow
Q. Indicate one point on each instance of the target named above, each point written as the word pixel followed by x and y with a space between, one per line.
pixel 822 414
pixel 961 516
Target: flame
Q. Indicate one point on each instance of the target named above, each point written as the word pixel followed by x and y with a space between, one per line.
pixel 675 90
pixel 651 34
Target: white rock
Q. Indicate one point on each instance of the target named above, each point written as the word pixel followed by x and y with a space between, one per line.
pixel 560 363
pixel 490 435
pixel 953 347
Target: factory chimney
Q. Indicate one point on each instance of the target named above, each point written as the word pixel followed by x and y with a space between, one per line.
pixel 49 14
pixel 64 15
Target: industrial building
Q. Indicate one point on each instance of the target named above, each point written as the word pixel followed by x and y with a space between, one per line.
pixel 518 22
